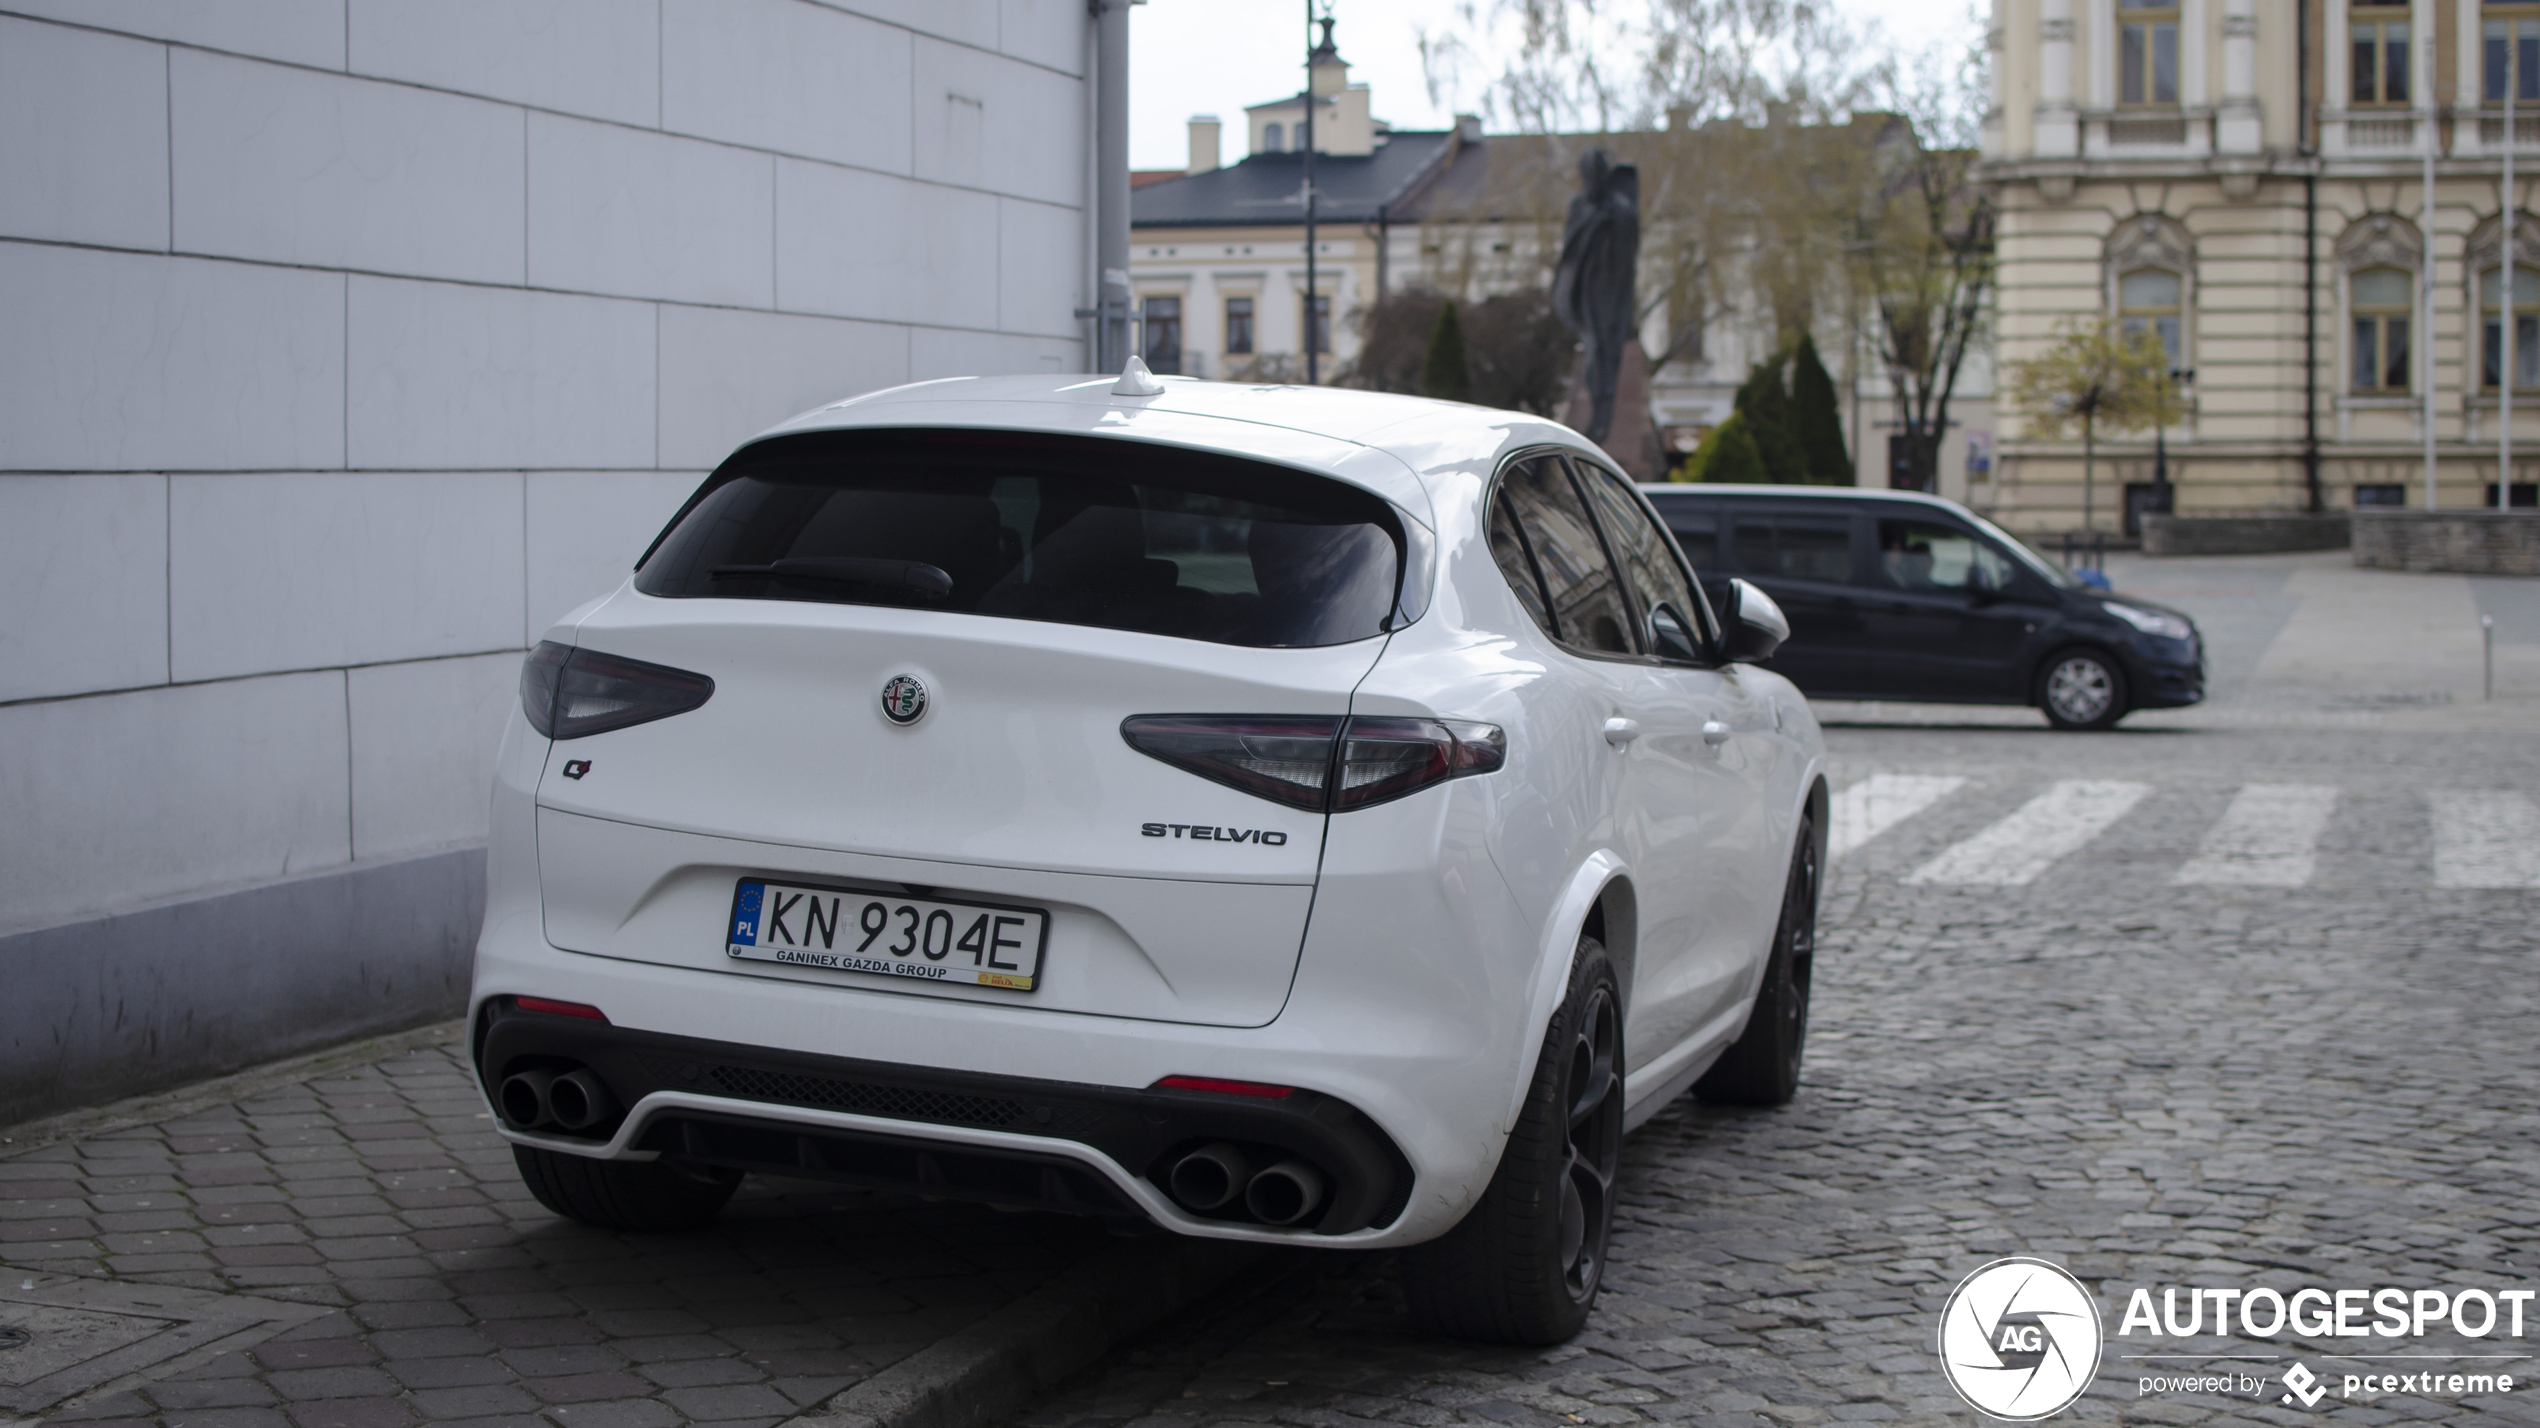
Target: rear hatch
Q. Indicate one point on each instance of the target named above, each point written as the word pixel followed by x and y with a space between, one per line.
pixel 922 648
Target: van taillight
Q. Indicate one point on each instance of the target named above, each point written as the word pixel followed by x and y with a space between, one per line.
pixel 1319 764
pixel 569 693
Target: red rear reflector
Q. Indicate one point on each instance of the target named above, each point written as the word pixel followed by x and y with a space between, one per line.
pixel 1262 1089
pixel 554 1008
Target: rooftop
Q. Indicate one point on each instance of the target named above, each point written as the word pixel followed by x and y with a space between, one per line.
pixel 1264 189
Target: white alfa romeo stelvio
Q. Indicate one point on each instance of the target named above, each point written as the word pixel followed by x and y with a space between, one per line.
pixel 1266 813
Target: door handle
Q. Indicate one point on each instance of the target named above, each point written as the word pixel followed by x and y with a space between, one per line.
pixel 1714 732
pixel 1620 732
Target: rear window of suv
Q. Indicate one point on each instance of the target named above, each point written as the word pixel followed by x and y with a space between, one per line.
pixel 1072 530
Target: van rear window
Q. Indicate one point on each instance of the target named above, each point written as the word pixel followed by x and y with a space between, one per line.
pixel 1073 530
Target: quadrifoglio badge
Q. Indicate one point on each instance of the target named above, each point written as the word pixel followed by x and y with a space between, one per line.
pixel 2021 1339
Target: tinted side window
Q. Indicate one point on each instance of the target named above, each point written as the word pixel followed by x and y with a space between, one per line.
pixel 1508 550
pixel 1794 546
pixel 1588 612
pixel 1933 556
pixel 1698 532
pixel 1641 547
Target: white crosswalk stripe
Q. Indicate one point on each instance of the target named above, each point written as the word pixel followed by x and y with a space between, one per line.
pixel 2486 839
pixel 2044 830
pixel 2265 839
pixel 1880 802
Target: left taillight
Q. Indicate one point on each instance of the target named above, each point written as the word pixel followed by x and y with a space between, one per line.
pixel 569 693
pixel 1319 764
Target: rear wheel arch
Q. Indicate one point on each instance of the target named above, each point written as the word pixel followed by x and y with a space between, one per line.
pixel 1614 920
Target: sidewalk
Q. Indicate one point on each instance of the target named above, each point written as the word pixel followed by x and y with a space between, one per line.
pixel 354 1250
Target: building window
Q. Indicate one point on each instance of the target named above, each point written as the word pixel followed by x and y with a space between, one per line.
pixel 1273 138
pixel 2147 53
pixel 2511 49
pixel 2381 493
pixel 1164 335
pixel 2382 307
pixel 1239 325
pixel 2148 298
pixel 2380 41
pixel 2526 305
pixel 1318 323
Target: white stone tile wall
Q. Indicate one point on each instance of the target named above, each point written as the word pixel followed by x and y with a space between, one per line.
pixel 351 343
pixel 126 799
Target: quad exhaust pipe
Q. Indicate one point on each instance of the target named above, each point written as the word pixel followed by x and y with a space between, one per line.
pixel 1213 1177
pixel 569 1100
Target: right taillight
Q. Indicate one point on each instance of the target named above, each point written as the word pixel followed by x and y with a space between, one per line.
pixel 1319 764
pixel 569 693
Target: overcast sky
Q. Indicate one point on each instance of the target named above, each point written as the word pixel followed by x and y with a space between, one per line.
pixel 1216 56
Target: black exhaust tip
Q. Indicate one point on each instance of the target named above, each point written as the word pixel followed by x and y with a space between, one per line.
pixel 522 1098
pixel 1210 1177
pixel 580 1101
pixel 1285 1193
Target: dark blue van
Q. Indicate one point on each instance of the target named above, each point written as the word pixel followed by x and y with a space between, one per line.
pixel 1896 595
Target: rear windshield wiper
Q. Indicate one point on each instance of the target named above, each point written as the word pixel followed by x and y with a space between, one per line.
pixel 914 576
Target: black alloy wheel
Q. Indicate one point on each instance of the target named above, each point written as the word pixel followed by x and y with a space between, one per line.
pixel 656 1196
pixel 2082 690
pixel 1761 1068
pixel 1592 1088
pixel 1524 1265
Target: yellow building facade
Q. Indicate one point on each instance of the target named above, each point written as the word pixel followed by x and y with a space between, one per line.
pixel 2248 178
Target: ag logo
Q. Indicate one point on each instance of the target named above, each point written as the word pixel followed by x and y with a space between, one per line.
pixel 903 699
pixel 2020 1339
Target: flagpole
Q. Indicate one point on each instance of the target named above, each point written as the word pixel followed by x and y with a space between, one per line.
pixel 2508 279
pixel 2425 259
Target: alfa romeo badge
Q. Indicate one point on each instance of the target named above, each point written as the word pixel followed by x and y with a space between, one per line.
pixel 904 699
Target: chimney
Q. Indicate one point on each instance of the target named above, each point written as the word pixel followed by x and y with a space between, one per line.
pixel 1203 143
pixel 1468 128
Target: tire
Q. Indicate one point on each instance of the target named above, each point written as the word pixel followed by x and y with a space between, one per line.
pixel 1524 1265
pixel 647 1195
pixel 1761 1067
pixel 2082 690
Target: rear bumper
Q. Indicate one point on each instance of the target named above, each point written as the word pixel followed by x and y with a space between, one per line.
pixel 1418 1000
pixel 1003 1139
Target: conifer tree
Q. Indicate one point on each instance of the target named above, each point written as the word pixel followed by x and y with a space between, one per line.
pixel 1443 371
pixel 1765 403
pixel 1727 453
pixel 1816 419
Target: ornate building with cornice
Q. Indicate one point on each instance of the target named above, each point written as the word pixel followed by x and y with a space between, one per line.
pixel 2249 179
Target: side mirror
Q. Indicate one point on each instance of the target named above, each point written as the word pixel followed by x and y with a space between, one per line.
pixel 1756 626
pixel 1980 588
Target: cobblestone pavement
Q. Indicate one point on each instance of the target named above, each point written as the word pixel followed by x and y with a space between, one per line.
pixel 381 1199
pixel 2150 1083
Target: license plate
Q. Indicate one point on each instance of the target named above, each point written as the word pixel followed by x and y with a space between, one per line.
pixel 846 931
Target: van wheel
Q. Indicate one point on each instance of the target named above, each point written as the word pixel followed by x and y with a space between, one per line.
pixel 2082 689
pixel 648 1195
pixel 1524 1265
pixel 1761 1068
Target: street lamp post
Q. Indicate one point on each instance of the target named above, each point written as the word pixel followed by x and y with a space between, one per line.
pixel 1312 365
pixel 2163 498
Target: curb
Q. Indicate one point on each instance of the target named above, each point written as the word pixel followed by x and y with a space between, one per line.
pixel 982 1373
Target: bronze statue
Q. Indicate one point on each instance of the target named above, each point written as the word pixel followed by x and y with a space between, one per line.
pixel 1592 291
